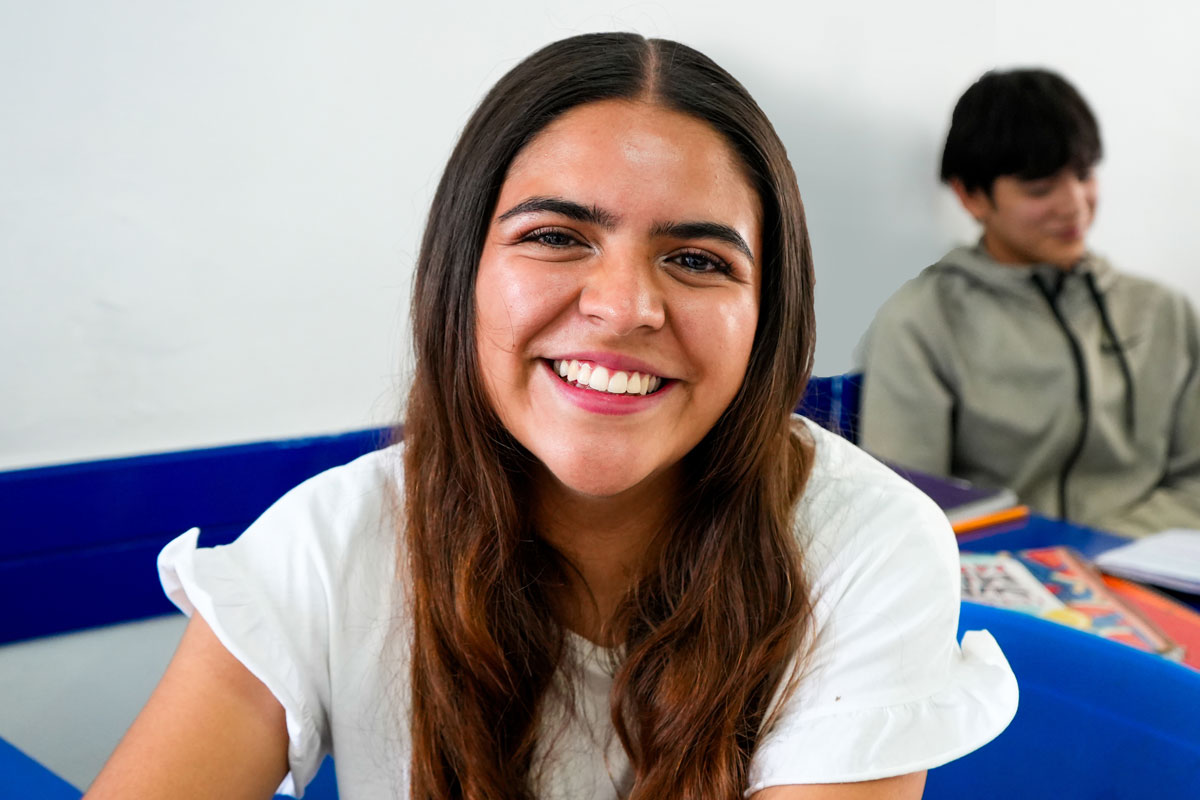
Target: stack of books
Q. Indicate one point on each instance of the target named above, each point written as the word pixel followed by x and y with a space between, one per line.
pixel 1059 584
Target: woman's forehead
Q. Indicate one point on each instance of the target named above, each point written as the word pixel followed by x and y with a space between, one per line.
pixel 635 158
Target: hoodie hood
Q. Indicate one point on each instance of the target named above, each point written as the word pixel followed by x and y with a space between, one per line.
pixel 1018 279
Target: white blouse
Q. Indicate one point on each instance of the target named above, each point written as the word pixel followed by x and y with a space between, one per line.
pixel 308 600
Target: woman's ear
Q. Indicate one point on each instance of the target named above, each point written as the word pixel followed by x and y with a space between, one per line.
pixel 976 202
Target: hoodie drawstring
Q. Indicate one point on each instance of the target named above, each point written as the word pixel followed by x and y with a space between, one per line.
pixel 1105 320
pixel 1050 293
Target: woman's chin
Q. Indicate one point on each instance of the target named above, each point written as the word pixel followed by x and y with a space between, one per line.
pixel 598 478
pixel 609 484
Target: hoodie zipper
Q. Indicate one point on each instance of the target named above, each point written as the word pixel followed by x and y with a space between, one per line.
pixel 1082 394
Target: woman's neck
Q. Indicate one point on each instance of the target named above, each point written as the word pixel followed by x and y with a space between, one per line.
pixel 606 539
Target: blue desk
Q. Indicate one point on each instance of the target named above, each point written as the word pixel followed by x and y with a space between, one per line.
pixel 1037 531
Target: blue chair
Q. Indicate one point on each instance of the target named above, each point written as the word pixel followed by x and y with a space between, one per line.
pixel 1097 719
pixel 833 403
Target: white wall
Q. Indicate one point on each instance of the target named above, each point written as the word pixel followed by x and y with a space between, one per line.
pixel 209 211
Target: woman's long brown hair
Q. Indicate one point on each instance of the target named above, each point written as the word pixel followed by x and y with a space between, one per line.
pixel 711 630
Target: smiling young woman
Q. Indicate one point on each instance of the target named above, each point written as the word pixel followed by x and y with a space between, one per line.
pixel 606 560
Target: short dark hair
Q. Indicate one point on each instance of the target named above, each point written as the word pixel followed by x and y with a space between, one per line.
pixel 1029 123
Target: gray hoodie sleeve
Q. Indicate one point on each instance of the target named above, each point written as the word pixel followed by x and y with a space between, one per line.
pixel 1176 502
pixel 907 404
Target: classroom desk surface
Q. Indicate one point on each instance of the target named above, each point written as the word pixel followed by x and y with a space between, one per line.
pixel 1038 531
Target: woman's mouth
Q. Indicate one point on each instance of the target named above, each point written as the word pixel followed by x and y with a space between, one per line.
pixel 584 375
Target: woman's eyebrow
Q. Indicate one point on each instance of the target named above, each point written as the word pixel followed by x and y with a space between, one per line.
pixel 606 219
pixel 704 230
pixel 567 208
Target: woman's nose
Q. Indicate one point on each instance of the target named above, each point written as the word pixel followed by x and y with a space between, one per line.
pixel 622 292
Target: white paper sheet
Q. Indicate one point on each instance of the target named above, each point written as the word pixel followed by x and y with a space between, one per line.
pixel 1170 558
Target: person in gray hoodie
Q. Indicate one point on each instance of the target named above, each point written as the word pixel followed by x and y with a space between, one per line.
pixel 1027 361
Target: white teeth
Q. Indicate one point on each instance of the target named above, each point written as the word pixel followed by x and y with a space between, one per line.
pixel 601 379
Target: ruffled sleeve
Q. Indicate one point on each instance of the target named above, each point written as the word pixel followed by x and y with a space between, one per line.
pixel 270 595
pixel 885 688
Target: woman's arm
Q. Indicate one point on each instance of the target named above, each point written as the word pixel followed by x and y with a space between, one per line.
pixel 210 729
pixel 901 787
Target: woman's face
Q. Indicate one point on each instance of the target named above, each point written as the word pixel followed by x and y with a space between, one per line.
pixel 624 251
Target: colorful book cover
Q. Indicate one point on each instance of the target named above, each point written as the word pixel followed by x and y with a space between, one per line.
pixel 1177 620
pixel 1080 598
pixel 998 579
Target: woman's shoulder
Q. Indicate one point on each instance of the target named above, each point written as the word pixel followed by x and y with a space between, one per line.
pixel 844 473
pixel 304 596
pixel 366 488
pixel 853 503
pixel 332 522
pixel 884 671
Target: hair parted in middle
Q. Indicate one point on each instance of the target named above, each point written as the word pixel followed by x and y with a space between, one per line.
pixel 726 585
pixel 1029 123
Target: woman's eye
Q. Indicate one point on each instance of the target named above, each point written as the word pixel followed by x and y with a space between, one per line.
pixel 551 238
pixel 701 262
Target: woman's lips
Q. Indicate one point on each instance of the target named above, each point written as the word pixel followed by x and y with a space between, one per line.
pixel 606 401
